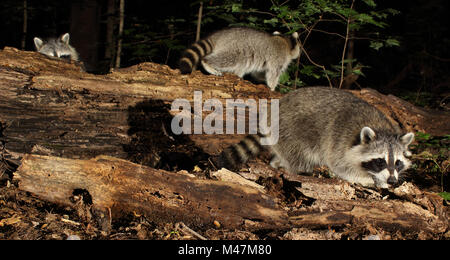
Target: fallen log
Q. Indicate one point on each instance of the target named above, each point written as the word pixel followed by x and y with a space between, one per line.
pixel 407 116
pixel 126 113
pixel 117 187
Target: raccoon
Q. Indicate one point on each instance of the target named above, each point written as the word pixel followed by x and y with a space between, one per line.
pixel 57 47
pixel 326 126
pixel 243 51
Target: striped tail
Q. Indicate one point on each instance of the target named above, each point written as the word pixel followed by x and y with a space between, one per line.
pixel 193 55
pixel 238 154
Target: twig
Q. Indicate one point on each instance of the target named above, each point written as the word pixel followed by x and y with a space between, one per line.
pixel 70 222
pixel 302 49
pixel 199 22
pixel 331 33
pixel 183 227
pixel 345 46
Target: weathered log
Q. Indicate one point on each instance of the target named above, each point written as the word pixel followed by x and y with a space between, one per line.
pixel 337 203
pixel 408 117
pixel 120 188
pixel 126 114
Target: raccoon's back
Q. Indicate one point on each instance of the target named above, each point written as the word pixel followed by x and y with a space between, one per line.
pixel 243 41
pixel 322 118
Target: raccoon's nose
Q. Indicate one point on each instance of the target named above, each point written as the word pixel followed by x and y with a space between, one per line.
pixel 392 180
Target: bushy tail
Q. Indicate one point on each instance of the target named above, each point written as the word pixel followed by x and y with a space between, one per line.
pixel 238 154
pixel 193 55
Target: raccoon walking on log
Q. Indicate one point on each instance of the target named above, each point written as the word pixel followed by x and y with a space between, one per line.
pixel 57 47
pixel 243 51
pixel 325 126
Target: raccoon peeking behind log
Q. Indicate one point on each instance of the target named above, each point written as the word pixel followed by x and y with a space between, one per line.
pixel 243 51
pixel 57 47
pixel 325 126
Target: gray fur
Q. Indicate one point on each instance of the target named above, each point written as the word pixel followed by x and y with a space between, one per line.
pixel 326 126
pixel 243 51
pixel 57 47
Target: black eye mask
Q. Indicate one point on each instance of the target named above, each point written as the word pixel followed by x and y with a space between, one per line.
pixel 399 165
pixel 379 164
pixel 375 165
pixel 66 57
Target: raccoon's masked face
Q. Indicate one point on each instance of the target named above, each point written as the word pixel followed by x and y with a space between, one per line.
pixel 384 156
pixel 58 48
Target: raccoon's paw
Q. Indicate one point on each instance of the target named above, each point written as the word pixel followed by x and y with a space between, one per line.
pixel 275 162
pixel 210 69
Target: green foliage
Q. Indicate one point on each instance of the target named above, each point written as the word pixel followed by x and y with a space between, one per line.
pixel 432 155
pixel 445 195
pixel 309 17
pixel 143 43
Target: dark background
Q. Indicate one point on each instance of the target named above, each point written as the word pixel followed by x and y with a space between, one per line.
pixel 158 31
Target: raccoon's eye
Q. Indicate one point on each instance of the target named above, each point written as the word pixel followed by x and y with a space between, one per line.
pixel 66 57
pixel 381 163
pixel 375 165
pixel 399 165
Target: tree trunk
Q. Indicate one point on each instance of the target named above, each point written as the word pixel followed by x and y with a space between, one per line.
pixel 85 32
pixel 111 21
pixel 25 25
pixel 119 42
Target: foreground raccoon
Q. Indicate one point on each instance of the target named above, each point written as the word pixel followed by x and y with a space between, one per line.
pixel 243 51
pixel 57 47
pixel 325 126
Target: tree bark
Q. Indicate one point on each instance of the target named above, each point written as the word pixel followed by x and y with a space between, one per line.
pixel 120 187
pixel 119 42
pixel 409 117
pixel 125 114
pixel 24 25
pixel 117 187
pixel 85 28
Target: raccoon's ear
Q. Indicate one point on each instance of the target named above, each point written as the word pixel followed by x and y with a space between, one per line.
pixel 295 35
pixel 407 139
pixel 276 33
pixel 65 38
pixel 367 135
pixel 38 43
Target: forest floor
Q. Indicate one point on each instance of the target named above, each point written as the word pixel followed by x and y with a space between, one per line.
pixel 24 216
